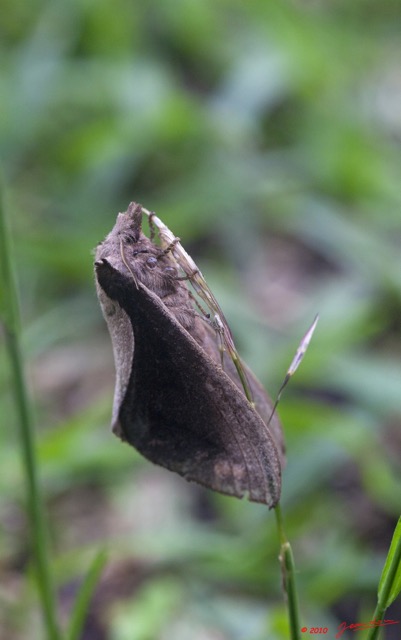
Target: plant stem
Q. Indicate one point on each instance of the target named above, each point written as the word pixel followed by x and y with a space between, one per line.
pixel 288 573
pixel 11 317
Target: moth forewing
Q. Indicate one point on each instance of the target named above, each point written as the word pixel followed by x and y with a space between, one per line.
pixel 182 411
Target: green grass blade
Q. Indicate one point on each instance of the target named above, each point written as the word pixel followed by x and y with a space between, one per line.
pixel 84 596
pixel 10 316
pixel 288 573
pixel 390 581
pixel 9 312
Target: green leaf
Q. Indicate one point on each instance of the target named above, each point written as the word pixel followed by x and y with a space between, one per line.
pixel 390 581
pixel 84 596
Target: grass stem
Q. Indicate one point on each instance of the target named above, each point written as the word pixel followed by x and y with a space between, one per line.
pixel 288 573
pixel 10 316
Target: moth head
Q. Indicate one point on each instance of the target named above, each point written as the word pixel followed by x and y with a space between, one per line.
pixel 126 232
pixel 128 250
pixel 129 224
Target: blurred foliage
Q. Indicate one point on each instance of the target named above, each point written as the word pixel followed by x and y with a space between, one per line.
pixel 267 136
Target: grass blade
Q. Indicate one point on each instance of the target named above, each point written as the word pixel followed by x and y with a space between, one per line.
pixel 288 574
pixel 10 316
pixel 84 596
pixel 390 581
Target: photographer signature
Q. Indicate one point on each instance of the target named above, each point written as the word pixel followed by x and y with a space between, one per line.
pixel 359 626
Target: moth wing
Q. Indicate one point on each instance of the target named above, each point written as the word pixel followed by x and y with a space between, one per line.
pixel 262 401
pixel 181 410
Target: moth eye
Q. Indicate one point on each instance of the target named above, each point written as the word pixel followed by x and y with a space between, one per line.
pixel 171 270
pixel 130 239
pixel 151 262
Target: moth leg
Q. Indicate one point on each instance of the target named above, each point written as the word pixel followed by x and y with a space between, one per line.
pixel 169 248
pixel 219 329
pixel 204 313
pixel 217 326
pixel 215 323
pixel 188 276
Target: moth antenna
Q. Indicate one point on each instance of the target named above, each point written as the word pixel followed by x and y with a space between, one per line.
pixel 124 259
pixel 134 212
pixel 152 226
pixel 296 361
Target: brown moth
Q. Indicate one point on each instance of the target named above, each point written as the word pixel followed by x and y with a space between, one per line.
pixel 174 401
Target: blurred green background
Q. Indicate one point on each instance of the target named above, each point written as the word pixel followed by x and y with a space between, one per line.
pixel 267 136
